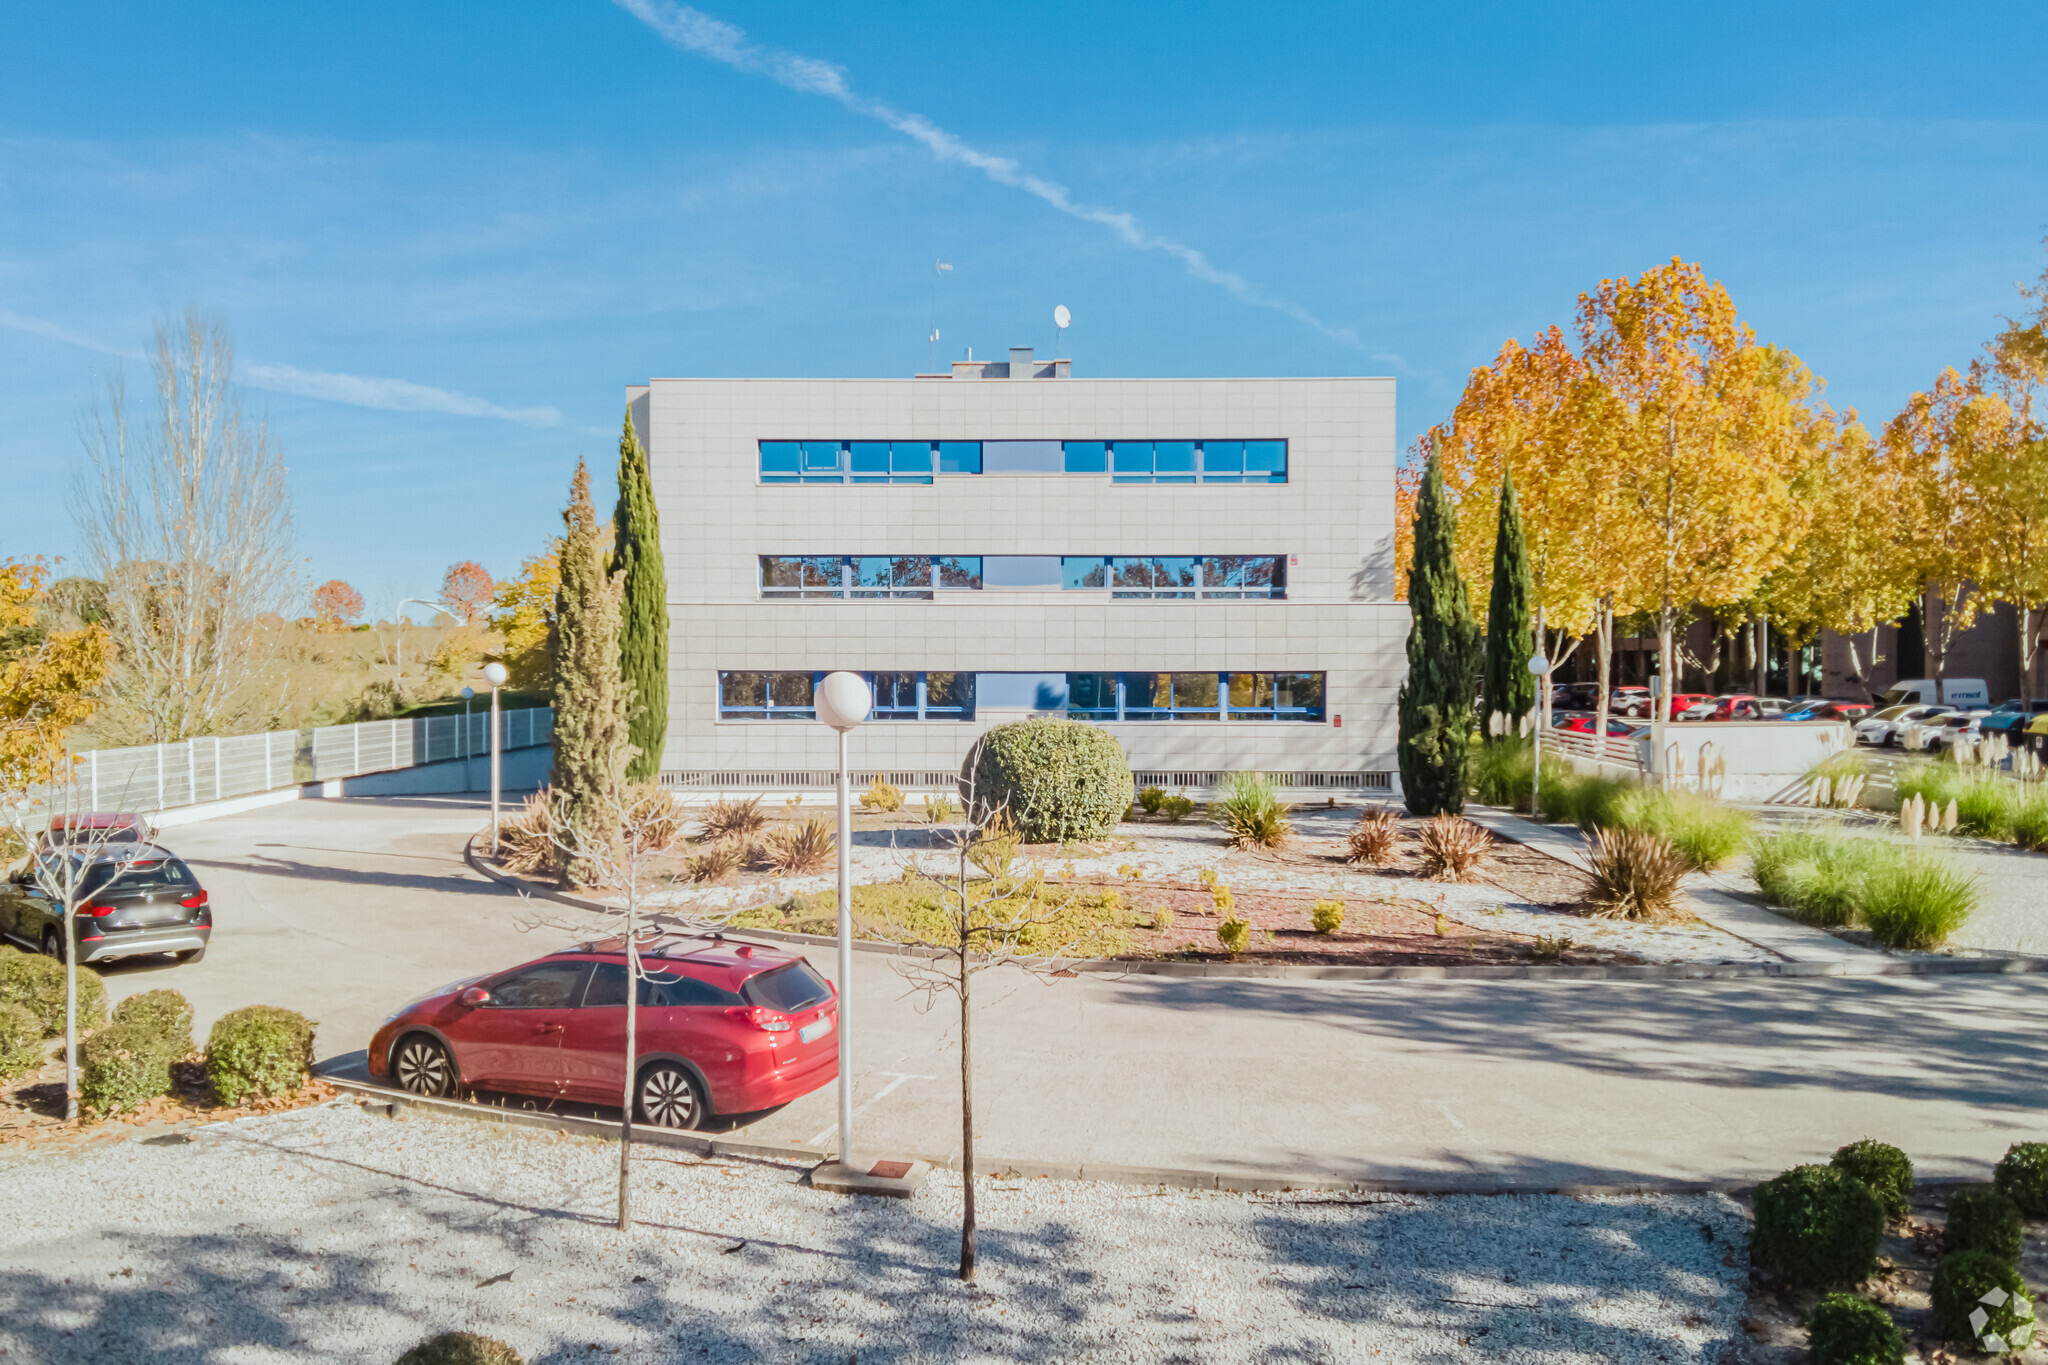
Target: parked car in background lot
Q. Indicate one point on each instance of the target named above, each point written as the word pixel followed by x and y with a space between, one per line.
pixel 1944 731
pixel 1821 708
pixel 1583 725
pixel 1575 696
pixel 1882 729
pixel 1683 704
pixel 723 1028
pixel 135 899
pixel 2010 718
pixel 1743 706
pixel 1629 701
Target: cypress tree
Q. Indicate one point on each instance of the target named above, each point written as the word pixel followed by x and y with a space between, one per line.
pixel 1510 636
pixel 1443 660
pixel 643 635
pixel 591 745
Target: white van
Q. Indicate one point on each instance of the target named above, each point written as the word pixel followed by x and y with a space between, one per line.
pixel 1963 692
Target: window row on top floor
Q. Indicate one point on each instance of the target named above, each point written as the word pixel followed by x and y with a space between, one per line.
pixel 1232 461
pixel 924 577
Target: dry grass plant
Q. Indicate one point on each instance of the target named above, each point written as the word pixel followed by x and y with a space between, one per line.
pixel 1372 842
pixel 1452 848
pixel 717 861
pixel 797 850
pixel 729 819
pixel 1636 876
pixel 523 844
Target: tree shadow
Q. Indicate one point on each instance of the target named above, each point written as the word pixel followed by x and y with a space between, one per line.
pixel 457 879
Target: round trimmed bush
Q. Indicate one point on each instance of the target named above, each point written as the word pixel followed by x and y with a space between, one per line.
pixel 1060 779
pixel 2022 1177
pixel 21 1041
pixel 1982 1219
pixel 1817 1226
pixel 461 1348
pixel 1962 1282
pixel 1887 1170
pixel 165 1013
pixel 122 1066
pixel 37 983
pixel 1846 1329
pixel 260 1050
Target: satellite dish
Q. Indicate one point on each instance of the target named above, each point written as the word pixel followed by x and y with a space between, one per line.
pixel 1061 317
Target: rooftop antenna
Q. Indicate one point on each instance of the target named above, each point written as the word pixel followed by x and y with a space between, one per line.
pixel 938 269
pixel 1061 319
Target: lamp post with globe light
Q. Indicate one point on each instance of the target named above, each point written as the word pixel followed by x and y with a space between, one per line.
pixel 1538 665
pixel 843 700
pixel 495 675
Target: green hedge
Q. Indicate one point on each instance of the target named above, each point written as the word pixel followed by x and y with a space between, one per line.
pixel 1817 1226
pixel 461 1348
pixel 1062 780
pixel 1982 1219
pixel 21 1040
pixel 2022 1177
pixel 1848 1330
pixel 122 1066
pixel 260 1050
pixel 37 983
pixel 165 1013
pixel 1961 1282
pixel 1887 1170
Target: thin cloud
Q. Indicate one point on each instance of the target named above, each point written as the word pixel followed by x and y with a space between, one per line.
pixel 354 390
pixel 697 32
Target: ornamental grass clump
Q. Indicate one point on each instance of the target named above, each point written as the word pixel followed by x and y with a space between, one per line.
pixel 36 983
pixel 1374 837
pixel 1819 875
pixel 1847 1329
pixel 1327 916
pixel 729 819
pixel 21 1041
pixel 1703 831
pixel 524 844
pixel 716 861
pixel 1981 1299
pixel 1452 848
pixel 1884 1168
pixel 2022 1176
pixel 797 850
pixel 1816 1226
pixel 1982 1219
pixel 1917 902
pixel 1636 876
pixel 1251 811
pixel 258 1050
pixel 461 1348
pixel 165 1013
pixel 123 1066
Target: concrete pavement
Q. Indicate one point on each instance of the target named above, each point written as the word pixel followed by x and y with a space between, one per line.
pixel 346 909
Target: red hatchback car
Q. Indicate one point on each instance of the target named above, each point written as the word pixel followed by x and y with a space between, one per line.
pixel 723 1028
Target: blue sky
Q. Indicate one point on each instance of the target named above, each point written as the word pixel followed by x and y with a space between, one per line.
pixel 447 237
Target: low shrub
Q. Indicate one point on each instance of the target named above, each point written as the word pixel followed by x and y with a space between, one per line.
pixel 123 1066
pixel 36 983
pixel 1982 1219
pixel 1151 799
pixel 165 1013
pixel 1234 934
pixel 1178 808
pixel 1251 811
pixel 1816 1226
pixel 1703 831
pixel 1327 916
pixel 1846 1329
pixel 2030 820
pixel 258 1050
pixel 729 819
pixel 1062 781
pixel 1224 897
pixel 797 850
pixel 2022 1176
pixel 461 1348
pixel 939 809
pixel 1162 918
pixel 1374 837
pixel 1967 1283
pixel 21 1041
pixel 1817 874
pixel 1917 902
pixel 1635 875
pixel 1884 1168
pixel 883 796
pixel 1452 848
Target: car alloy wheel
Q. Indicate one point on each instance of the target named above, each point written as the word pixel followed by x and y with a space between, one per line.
pixel 53 944
pixel 669 1099
pixel 422 1067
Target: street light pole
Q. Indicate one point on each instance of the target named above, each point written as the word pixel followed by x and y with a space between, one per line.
pixel 1538 665
pixel 843 700
pixel 495 675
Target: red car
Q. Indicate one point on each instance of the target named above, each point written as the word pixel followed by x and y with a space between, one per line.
pixel 723 1028
pixel 1583 725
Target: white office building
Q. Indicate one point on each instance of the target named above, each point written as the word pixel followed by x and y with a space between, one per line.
pixel 1202 566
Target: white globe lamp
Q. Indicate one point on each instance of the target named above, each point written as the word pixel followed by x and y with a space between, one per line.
pixel 843 701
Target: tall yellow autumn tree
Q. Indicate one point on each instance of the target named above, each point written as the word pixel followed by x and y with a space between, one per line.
pixel 2008 473
pixel 1941 538
pixel 47 678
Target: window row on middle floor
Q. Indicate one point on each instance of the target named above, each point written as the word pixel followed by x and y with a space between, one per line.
pixel 922 577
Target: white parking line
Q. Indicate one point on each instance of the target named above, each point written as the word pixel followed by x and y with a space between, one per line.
pixel 863 1107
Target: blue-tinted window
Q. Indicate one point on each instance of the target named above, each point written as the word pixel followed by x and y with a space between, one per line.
pixel 1268 458
pixel 1244 576
pixel 1091 696
pixel 899 576
pixel 779 457
pixel 1194 696
pixel 1131 457
pixel 869 457
pixel 1173 576
pixel 766 696
pixel 1173 457
pixel 1222 457
pixel 821 457
pixel 959 457
pixel 802 576
pixel 1086 457
pixel 895 696
pixel 958 571
pixel 910 457
pixel 949 696
pixel 1083 571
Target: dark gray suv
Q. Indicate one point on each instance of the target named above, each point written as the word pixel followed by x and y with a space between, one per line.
pixel 133 899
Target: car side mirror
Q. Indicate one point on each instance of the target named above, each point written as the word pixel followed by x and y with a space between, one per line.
pixel 476 995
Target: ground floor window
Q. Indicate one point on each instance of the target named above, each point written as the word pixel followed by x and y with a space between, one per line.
pixel 933 695
pixel 1122 697
pixel 1195 696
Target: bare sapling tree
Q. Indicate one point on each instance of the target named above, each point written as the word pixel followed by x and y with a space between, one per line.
pixel 647 824
pixel 185 516
pixel 62 853
pixel 993 902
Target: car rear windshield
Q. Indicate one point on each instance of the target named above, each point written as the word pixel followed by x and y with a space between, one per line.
pixel 789 989
pixel 157 874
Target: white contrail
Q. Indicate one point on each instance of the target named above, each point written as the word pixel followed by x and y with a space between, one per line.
pixel 354 390
pixel 694 31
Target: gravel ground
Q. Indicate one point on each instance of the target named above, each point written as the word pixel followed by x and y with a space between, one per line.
pixel 333 1234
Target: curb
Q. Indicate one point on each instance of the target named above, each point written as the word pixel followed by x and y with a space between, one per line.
pixel 1253 971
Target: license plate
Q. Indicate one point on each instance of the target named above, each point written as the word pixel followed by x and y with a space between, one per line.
pixel 816 1029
